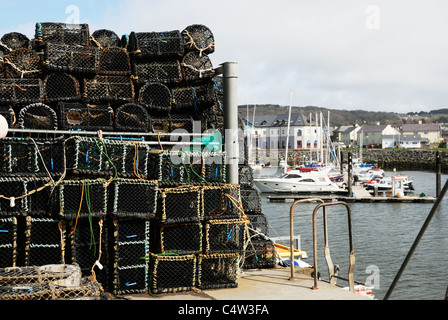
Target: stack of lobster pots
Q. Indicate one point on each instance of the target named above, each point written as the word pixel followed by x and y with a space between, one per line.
pixel 136 215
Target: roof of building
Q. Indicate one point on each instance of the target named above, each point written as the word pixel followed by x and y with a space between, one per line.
pixel 377 128
pixel 280 120
pixel 421 127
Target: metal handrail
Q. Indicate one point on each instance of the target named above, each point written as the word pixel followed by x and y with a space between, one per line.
pixel 291 229
pixel 351 280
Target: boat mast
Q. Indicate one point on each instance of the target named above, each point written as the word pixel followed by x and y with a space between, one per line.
pixel 287 134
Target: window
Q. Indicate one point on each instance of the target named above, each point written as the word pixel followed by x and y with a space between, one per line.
pixel 299 133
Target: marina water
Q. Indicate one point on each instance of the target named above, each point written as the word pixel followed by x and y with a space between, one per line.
pixel 383 234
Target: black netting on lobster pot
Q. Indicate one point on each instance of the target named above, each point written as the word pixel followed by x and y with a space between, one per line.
pixel 194 99
pixel 20 91
pixel 38 116
pixel 8 242
pixel 103 38
pixel 61 86
pixel 183 123
pixel 197 67
pixel 76 115
pixel 198 37
pixel 62 33
pixel 131 117
pixel 156 97
pixel 11 41
pixel 22 63
pixel 9 114
pixel 108 88
pixel 156 44
pixel 114 61
pixel 164 71
pixel 71 58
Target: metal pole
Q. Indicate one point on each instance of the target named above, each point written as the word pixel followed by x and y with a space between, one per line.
pixel 230 78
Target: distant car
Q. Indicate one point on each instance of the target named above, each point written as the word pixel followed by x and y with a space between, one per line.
pixel 341 144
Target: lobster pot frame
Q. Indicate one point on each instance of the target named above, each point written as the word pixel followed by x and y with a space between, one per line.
pixel 61 87
pixel 251 200
pixel 8 242
pixel 197 67
pixel 22 62
pixel 31 157
pixel 131 249
pixel 156 97
pixel 132 117
pixel 193 99
pixel 14 189
pixel 214 166
pixel 39 199
pixel 199 38
pixel 134 198
pixel 71 58
pixel 88 248
pixel 103 38
pixel 177 238
pixel 20 91
pixel 222 202
pixel 75 199
pixel 224 236
pixel 44 243
pixel 260 254
pixel 13 40
pixel 9 114
pixel 62 33
pixel 76 115
pixel 155 44
pixel 107 157
pixel 259 223
pixel 163 71
pixel 167 166
pixel 38 116
pixel 114 61
pixel 169 274
pixel 217 271
pixel 179 205
pixel 108 89
pixel 183 123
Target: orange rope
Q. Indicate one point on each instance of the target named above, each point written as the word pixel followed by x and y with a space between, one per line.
pixel 79 210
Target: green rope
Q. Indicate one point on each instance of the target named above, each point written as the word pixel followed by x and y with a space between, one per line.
pixel 104 151
pixel 92 235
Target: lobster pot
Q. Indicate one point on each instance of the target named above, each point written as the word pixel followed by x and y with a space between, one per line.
pixel 214 164
pixel 114 61
pixel 87 242
pixel 199 38
pixel 170 274
pixel 13 40
pixel 245 175
pixel 251 200
pixel 38 116
pixel 22 62
pixel 133 198
pixel 31 157
pixel 39 200
pixel 172 123
pixel 221 202
pixel 9 114
pixel 163 71
pixel 75 199
pixel 258 223
pixel 103 38
pixel 108 89
pixel 61 87
pixel 177 238
pixel 20 91
pixel 44 243
pixel 167 166
pixel 8 242
pixel 197 67
pixel 131 249
pixel 260 254
pixel 217 271
pixel 71 58
pixel 181 204
pixel 131 117
pixel 76 115
pixel 224 236
pixel 156 97
pixel 194 99
pixel 156 44
pixel 14 189
pixel 62 33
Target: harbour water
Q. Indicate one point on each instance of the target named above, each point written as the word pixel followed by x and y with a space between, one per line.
pixel 383 234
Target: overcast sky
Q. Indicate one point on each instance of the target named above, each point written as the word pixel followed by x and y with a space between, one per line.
pixel 342 54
